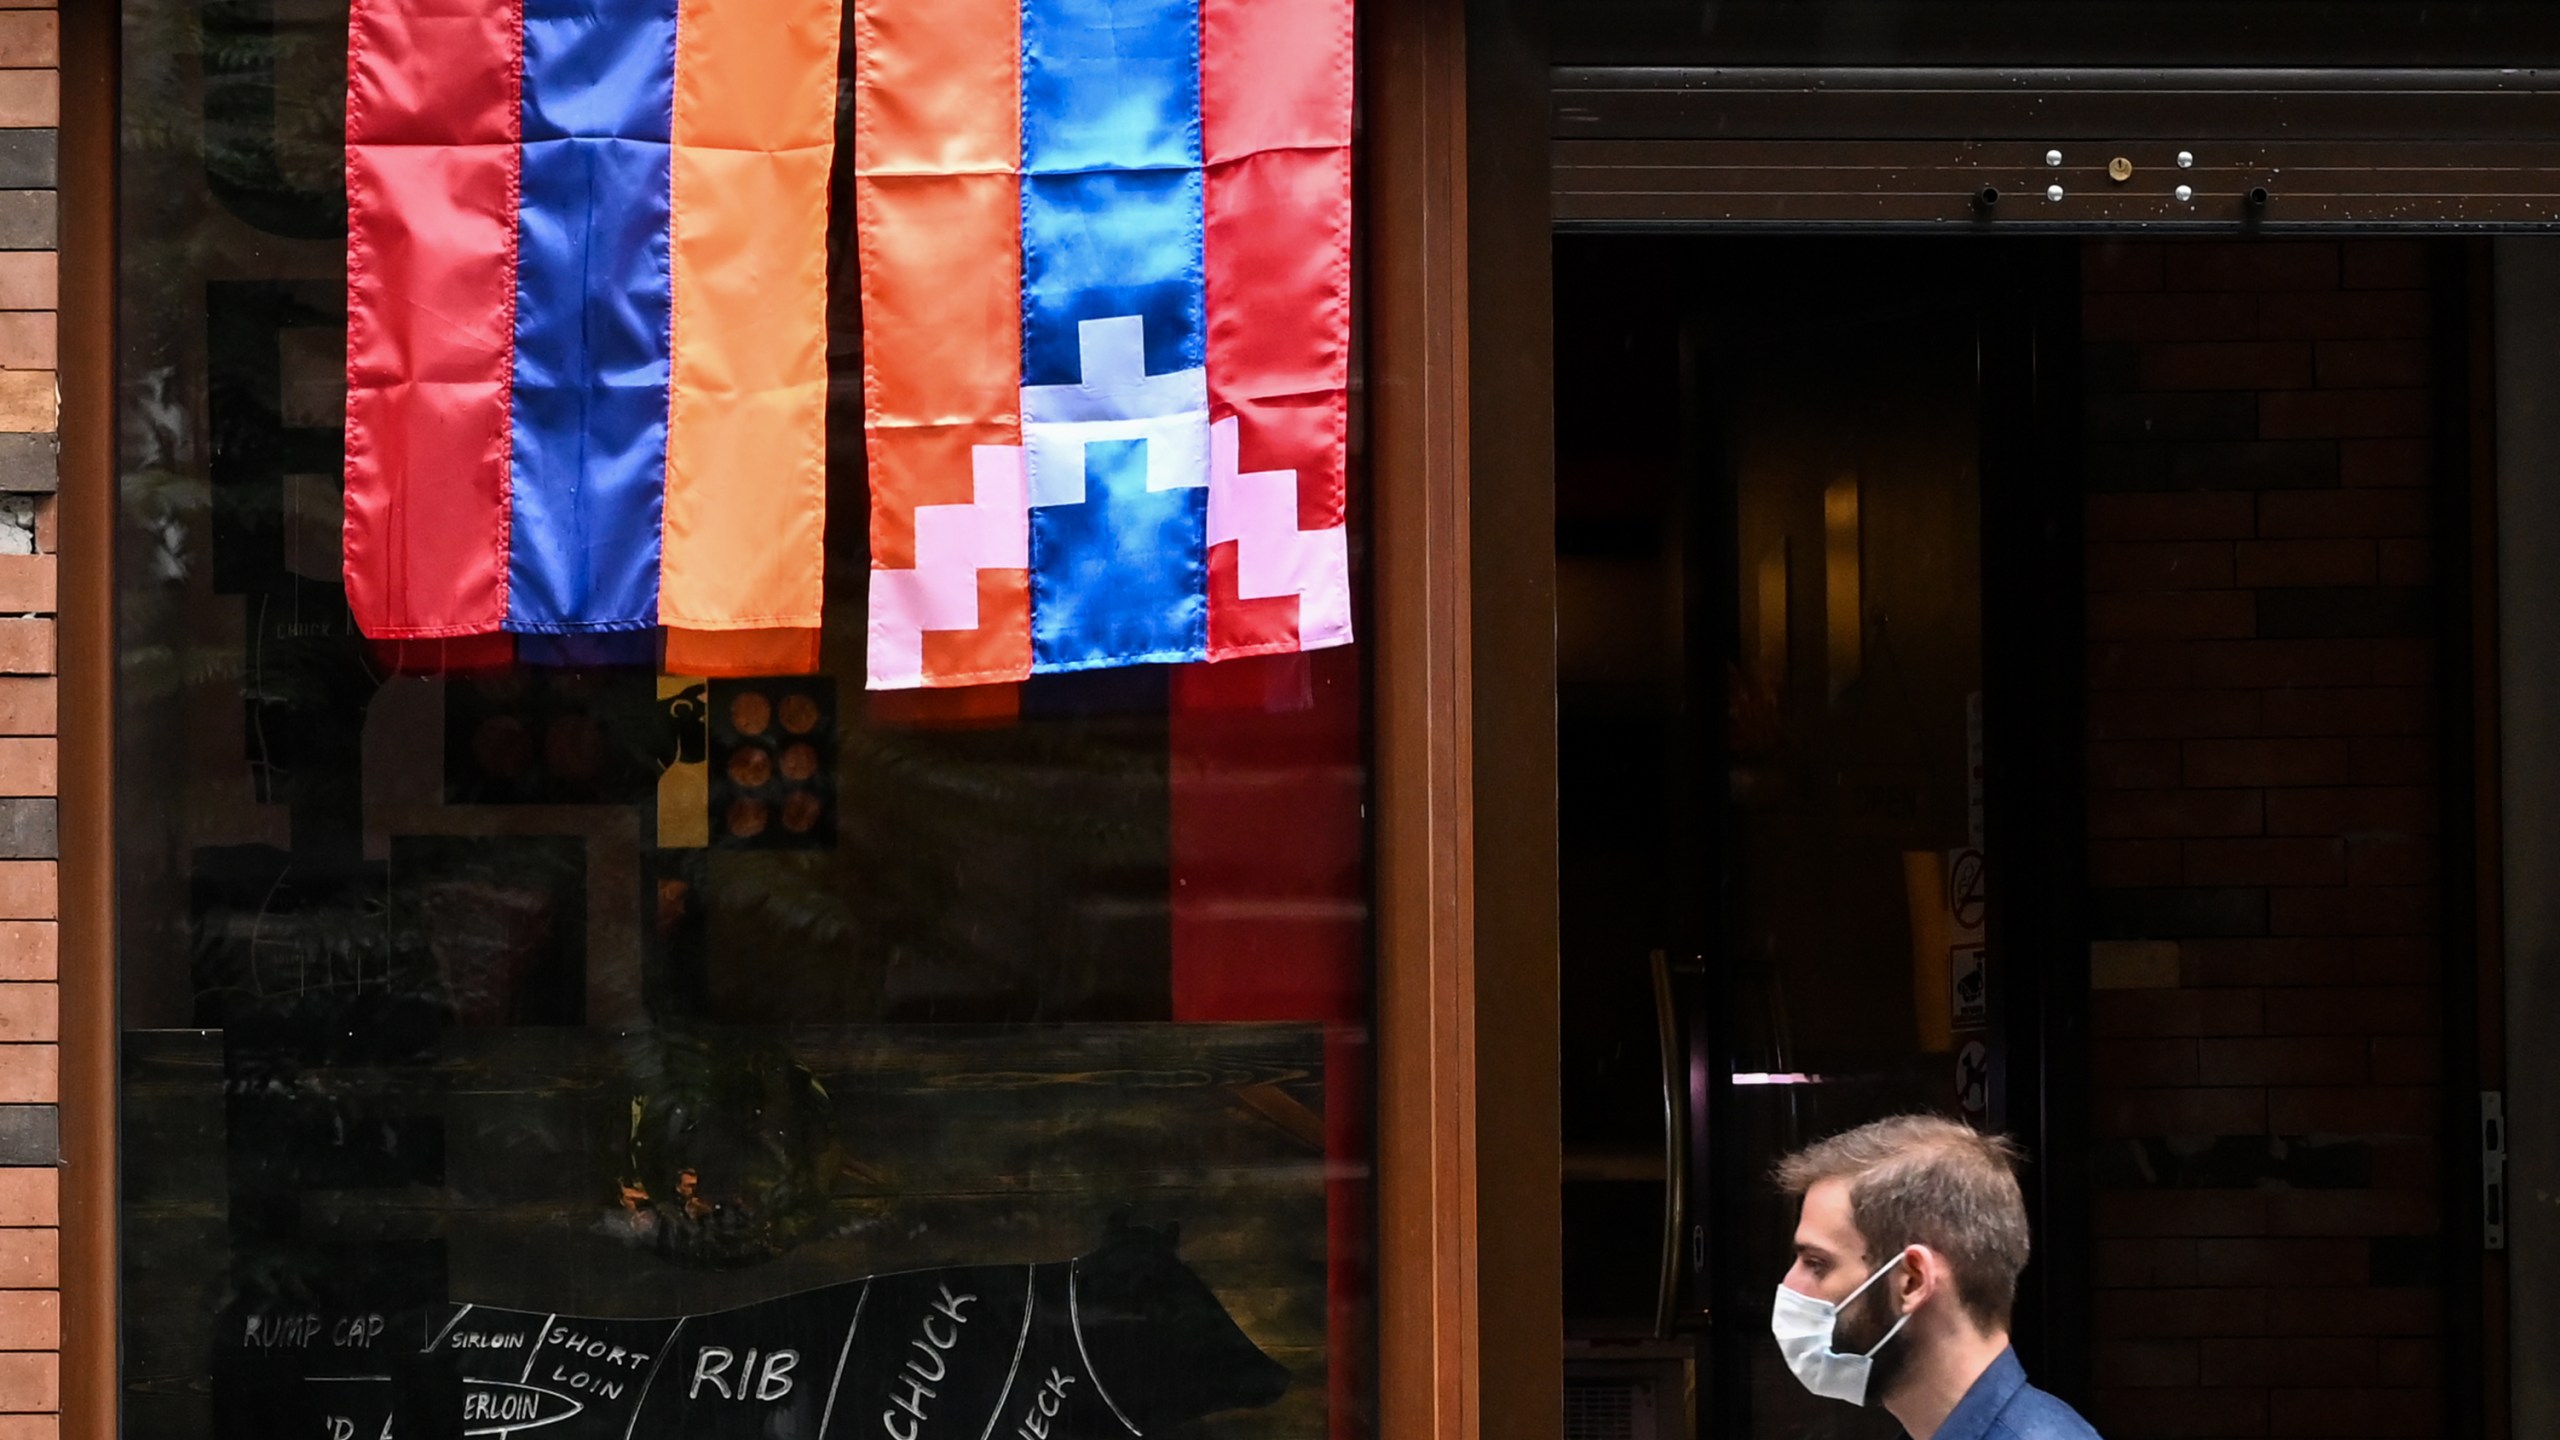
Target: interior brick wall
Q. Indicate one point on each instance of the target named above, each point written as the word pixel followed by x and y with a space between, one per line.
pixel 30 1316
pixel 2263 802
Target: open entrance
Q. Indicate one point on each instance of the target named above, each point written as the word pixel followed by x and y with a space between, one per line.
pixel 2025 680
pixel 1781 624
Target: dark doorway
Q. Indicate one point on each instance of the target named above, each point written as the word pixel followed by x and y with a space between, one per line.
pixel 1817 712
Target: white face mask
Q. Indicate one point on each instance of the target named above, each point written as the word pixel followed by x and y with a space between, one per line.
pixel 1804 1329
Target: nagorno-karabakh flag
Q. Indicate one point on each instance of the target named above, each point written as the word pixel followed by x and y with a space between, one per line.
pixel 1105 260
pixel 586 337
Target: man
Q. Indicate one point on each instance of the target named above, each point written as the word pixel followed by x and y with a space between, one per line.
pixel 1908 1249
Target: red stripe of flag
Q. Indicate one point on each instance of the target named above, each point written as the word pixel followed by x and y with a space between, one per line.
pixel 433 123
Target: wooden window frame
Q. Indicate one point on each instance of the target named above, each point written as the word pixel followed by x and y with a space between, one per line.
pixel 1460 620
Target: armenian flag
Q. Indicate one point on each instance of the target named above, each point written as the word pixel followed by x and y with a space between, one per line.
pixel 1105 267
pixel 586 332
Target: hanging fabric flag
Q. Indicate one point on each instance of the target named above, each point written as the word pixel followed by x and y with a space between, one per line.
pixel 1105 251
pixel 586 321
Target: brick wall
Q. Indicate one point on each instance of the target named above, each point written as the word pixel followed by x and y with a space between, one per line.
pixel 2262 809
pixel 30 1323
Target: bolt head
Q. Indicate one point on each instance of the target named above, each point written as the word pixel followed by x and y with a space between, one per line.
pixel 2053 157
pixel 2186 193
pixel 2053 192
pixel 2186 160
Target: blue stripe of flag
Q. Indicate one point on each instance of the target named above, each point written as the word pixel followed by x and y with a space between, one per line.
pixel 592 307
pixel 1111 228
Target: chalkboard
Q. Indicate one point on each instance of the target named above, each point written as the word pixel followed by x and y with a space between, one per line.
pixel 1124 1340
pixel 482 1171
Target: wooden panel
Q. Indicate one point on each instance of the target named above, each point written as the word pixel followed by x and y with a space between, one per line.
pixel 2180 107
pixel 1938 184
pixel 87 640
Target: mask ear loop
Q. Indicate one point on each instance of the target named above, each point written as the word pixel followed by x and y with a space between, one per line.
pixel 1904 1319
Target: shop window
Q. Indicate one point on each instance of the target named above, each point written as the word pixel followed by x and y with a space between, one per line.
pixel 564 1044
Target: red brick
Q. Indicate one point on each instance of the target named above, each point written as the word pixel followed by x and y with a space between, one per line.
pixel 2226 365
pixel 2139 664
pixel 2298 960
pixel 30 1427
pixel 2395 710
pixel 2122 1066
pixel 2352 1010
pixel 30 1259
pixel 2391 860
pixel 26 647
pixel 30 1075
pixel 2306 562
pixel 2174 615
pixel 2402 810
pixel 29 279
pixel 2354 1110
pixel 2282 1060
pixel 2137 1114
pixel 30 40
pixel 30 1380
pixel 2254 265
pixel 2394 760
pixel 2407 1060
pixel 2286 1263
pixel 2109 265
pixel 28 890
pixel 2296 1360
pixel 2199 1213
pixel 2144 1362
pixel 30 99
pixel 27 766
pixel 2407 1310
pixel 2133 764
pixel 2184 1414
pixel 30 1320
pixel 2117 318
pixel 2165 814
pixel 2353 910
pixel 2334 514
pixel 30 1197
pixel 2160 565
pixel 2352 1212
pixel 2140 1014
pixel 2304 860
pixel 2134 864
pixel 2386 463
pixel 2372 364
pixel 2373 315
pixel 26 584
pixel 2405 562
pixel 2405 1162
pixel 27 706
pixel 27 340
pixel 2222 764
pixel 27 1012
pixel 2128 1262
pixel 2250 664
pixel 29 950
pixel 2342 414
pixel 2385 264
pixel 2336 1414
pixel 2203 515
pixel 2134 1314
pixel 2172 714
pixel 2409 1362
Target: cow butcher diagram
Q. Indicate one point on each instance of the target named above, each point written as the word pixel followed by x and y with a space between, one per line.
pixel 1123 1341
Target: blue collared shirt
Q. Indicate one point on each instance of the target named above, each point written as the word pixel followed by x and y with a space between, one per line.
pixel 2003 1406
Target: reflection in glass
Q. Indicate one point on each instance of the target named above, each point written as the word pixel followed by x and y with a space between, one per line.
pixel 483 1021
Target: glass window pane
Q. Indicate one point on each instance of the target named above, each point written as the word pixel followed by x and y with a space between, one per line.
pixel 576 1046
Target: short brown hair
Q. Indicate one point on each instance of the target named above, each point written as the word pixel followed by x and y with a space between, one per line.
pixel 1922 1180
